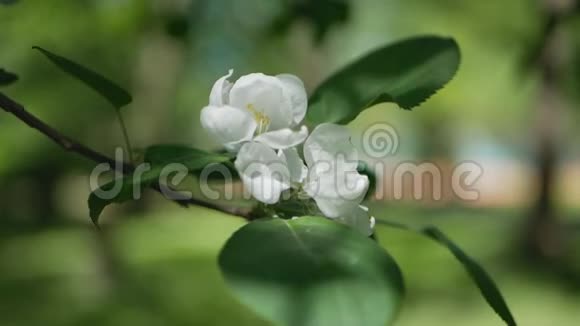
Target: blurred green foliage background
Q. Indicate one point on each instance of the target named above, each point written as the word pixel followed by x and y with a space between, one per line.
pixel 156 264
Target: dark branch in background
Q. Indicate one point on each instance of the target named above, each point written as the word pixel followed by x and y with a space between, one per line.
pixel 71 145
pixel 553 19
pixel 322 15
pixel 7 78
pixel 8 2
pixel 66 143
pixel 543 235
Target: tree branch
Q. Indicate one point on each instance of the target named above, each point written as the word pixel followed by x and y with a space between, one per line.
pixel 555 14
pixel 66 143
pixel 71 145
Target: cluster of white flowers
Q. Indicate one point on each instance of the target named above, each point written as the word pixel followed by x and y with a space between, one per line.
pixel 259 118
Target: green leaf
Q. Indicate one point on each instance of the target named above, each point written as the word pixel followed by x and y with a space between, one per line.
pixel 311 271
pixel 406 73
pixel 160 157
pixel 113 93
pixel 194 159
pixel 125 191
pixel 7 78
pixel 484 282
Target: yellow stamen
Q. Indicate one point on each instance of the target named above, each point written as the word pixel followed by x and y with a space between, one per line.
pixel 262 119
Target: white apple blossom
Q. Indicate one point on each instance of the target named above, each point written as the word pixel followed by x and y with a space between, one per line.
pixel 256 117
pixel 298 171
pixel 333 180
pixel 330 176
pixel 257 107
pixel 264 173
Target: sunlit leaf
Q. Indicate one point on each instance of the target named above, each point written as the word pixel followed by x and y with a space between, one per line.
pixel 406 73
pixel 117 96
pixel 484 282
pixel 311 271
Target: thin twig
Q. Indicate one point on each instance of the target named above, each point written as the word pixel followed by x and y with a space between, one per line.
pixel 128 146
pixel 71 145
pixel 66 143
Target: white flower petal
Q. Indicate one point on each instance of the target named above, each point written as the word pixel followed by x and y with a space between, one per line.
pixel 329 142
pixel 261 94
pixel 373 222
pixel 349 186
pixel 359 219
pixel 295 93
pixel 266 190
pixel 336 193
pixel 334 208
pixel 333 180
pixel 298 170
pixel 220 91
pixel 283 138
pixel 228 125
pixel 264 174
